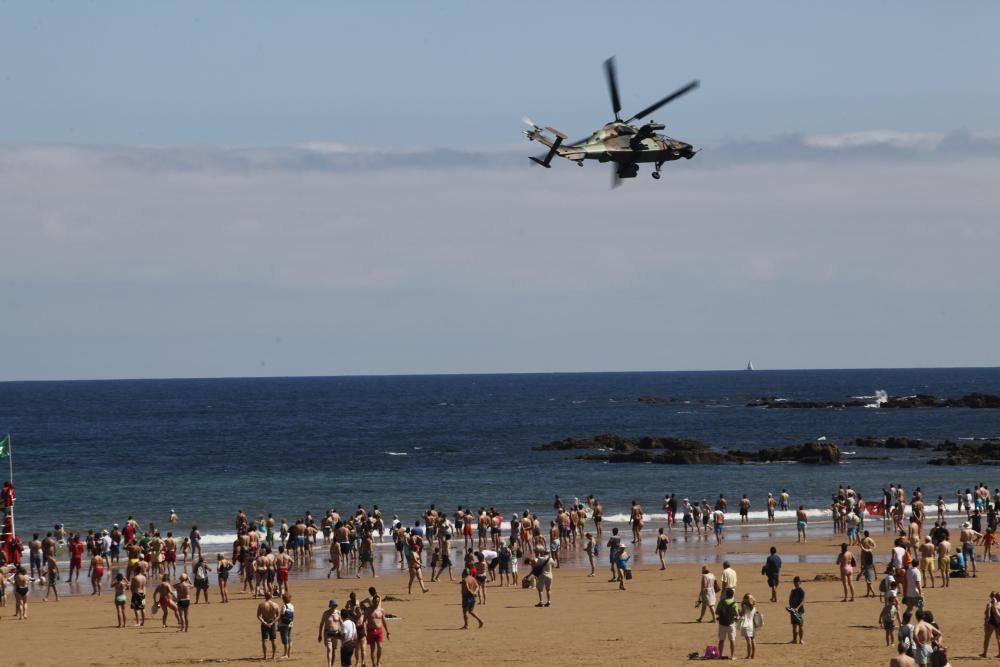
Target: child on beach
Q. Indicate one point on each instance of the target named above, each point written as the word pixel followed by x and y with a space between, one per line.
pixel 51 576
pixel 118 586
pixel 988 539
pixel 624 571
pixel 889 616
pixel 185 547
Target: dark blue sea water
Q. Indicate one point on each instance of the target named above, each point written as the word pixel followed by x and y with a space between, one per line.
pixel 89 453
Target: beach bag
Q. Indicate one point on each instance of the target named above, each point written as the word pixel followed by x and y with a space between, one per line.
pixel 717 586
pixel 597 549
pixel 527 582
pixel 628 574
pixel 712 652
pixel 758 619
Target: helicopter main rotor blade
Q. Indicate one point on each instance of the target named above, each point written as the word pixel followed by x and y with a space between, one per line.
pixel 666 100
pixel 609 71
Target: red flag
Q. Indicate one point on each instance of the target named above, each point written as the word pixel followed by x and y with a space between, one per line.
pixel 875 508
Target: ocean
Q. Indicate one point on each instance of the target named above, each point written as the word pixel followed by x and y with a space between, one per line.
pixel 89 453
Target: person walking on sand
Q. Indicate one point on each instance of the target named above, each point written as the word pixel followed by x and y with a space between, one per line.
pixel 707 593
pixel 541 570
pixel 846 562
pixel 376 628
pixel 183 590
pixel 797 611
pixel 801 521
pixel 727 615
pixel 411 551
pixel 624 571
pixel 729 578
pixel 329 631
pixel 662 543
pixel 772 570
pixel 163 598
pixel 222 566
pixel 268 613
pixel 991 623
pixel 750 620
pixel 348 637
pixel 470 589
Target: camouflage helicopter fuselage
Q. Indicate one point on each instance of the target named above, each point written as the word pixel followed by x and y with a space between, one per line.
pixel 619 142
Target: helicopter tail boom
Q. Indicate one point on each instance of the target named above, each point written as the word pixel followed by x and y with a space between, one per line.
pixel 537 133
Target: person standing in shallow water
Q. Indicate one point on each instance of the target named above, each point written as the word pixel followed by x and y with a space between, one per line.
pixel 801 520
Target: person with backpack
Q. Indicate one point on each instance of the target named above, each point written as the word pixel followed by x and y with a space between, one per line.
pixel 727 614
pixel 541 570
pixel 750 620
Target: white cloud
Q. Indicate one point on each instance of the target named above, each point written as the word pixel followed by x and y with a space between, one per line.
pixel 546 269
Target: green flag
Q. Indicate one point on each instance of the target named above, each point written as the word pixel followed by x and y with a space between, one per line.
pixel 5 446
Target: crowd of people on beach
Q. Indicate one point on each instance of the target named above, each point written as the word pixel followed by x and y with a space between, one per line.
pixel 127 559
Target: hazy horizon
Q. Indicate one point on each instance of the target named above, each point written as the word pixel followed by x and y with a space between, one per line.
pixel 244 190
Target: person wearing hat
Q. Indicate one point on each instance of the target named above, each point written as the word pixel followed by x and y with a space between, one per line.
pixel 329 631
pixel 968 538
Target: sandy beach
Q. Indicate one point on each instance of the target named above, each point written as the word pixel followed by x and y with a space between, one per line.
pixel 589 622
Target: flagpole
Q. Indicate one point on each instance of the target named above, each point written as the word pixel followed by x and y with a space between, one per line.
pixel 10 461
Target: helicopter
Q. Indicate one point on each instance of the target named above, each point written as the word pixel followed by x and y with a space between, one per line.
pixel 620 142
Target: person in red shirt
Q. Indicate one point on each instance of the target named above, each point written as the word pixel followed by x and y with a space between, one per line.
pixel 75 557
pixel 8 495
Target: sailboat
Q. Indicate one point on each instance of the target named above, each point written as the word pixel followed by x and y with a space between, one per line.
pixel 750 365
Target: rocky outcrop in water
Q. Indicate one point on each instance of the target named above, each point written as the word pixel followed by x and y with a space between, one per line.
pixel 892 443
pixel 615 448
pixel 968 453
pixel 975 400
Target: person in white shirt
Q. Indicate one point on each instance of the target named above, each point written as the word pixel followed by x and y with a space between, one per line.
pixel 914 596
pixel 348 637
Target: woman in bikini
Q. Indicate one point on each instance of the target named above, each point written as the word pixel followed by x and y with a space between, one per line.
pixel 119 586
pixel 845 559
pixel 21 589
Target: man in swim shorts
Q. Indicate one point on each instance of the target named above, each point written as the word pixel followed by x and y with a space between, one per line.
pixel 470 587
pixel 268 613
pixel 137 586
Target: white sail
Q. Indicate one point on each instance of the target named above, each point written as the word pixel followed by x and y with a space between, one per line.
pixel 750 365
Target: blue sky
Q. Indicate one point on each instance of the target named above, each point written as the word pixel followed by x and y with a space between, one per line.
pixel 213 189
pixel 460 73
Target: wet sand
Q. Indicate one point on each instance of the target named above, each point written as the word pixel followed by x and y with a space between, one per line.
pixel 590 622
